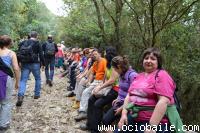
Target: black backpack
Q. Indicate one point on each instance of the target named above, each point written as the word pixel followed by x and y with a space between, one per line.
pixel 176 100
pixel 50 49
pixel 25 54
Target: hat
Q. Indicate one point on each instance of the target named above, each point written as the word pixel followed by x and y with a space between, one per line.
pixel 58 45
pixel 62 42
pixel 86 51
pixel 75 50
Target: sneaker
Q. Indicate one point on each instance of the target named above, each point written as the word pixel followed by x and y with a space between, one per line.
pixel 81 116
pixel 20 101
pixel 36 97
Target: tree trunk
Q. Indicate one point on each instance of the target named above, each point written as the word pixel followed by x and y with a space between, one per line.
pixel 100 21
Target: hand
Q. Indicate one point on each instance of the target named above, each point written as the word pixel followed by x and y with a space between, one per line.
pixel 114 101
pixel 123 121
pixel 95 90
pixel 79 77
pixel 118 111
pixel 87 84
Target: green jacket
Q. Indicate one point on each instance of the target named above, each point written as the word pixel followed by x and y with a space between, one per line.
pixel 171 113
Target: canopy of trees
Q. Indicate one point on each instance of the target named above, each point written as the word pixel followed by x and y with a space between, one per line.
pixel 130 26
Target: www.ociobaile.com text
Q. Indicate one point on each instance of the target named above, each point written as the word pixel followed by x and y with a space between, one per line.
pixel 148 127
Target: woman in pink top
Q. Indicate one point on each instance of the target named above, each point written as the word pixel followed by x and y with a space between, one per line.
pixel 59 56
pixel 152 88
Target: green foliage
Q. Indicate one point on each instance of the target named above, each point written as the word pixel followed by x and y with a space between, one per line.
pixel 19 17
pixel 175 32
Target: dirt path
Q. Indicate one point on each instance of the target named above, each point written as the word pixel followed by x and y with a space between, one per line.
pixel 52 113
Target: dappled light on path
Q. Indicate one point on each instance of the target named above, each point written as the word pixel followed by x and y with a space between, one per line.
pixel 52 113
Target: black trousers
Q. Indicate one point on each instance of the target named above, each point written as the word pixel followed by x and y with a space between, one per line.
pixel 95 109
pixel 73 77
pixel 110 117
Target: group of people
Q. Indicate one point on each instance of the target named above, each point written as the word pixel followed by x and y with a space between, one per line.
pixel 109 90
pixel 30 57
pixel 106 89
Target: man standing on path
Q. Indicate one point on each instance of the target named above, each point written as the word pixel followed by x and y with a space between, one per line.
pixel 50 49
pixel 30 57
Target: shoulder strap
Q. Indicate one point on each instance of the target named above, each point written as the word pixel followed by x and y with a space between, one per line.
pixel 156 75
pixel 5 68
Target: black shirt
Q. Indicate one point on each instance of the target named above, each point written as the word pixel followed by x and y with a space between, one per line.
pixel 37 50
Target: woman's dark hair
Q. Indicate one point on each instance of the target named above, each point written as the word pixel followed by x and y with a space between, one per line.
pixel 5 41
pixel 86 51
pixel 122 62
pixel 99 50
pixel 28 36
pixel 156 53
pixel 110 54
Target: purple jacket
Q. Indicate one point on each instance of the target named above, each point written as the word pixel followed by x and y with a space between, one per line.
pixel 124 84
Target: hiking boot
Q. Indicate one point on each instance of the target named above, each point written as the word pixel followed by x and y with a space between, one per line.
pixel 83 126
pixel 4 128
pixel 76 105
pixel 73 98
pixel 50 83
pixel 20 101
pixel 81 116
pixel 70 94
pixel 36 97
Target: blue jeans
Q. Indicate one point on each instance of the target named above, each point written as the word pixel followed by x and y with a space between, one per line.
pixel 49 63
pixel 6 104
pixel 25 72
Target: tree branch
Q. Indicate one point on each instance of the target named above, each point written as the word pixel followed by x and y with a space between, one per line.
pixel 136 16
pixel 168 12
pixel 108 11
pixel 100 21
pixel 152 21
pixel 157 2
pixel 182 13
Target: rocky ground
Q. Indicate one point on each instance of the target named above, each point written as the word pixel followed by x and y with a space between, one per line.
pixel 52 113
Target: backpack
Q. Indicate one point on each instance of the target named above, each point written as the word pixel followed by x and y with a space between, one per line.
pixel 25 53
pixel 176 100
pixel 50 49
